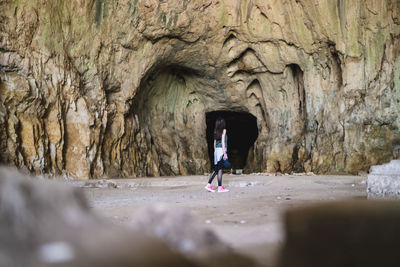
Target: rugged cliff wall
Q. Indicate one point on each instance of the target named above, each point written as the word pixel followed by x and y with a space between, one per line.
pixel 122 87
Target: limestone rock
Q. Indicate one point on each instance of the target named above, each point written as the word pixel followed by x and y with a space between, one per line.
pixel 384 181
pixel 92 89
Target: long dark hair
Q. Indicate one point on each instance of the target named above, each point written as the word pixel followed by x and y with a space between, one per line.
pixel 219 127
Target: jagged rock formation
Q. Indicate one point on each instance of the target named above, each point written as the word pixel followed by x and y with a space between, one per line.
pixel 121 88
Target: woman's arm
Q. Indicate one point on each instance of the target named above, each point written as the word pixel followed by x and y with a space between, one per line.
pixel 215 143
pixel 223 144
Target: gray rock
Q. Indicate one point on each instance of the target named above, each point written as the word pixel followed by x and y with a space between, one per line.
pixel 384 181
pixel 43 223
pixel 182 232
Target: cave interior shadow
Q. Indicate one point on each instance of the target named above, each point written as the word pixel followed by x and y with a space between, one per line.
pixel 242 132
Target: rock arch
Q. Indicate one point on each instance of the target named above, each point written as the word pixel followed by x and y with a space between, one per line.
pixel 170 113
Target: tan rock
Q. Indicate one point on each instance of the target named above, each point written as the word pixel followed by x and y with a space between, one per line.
pixel 122 88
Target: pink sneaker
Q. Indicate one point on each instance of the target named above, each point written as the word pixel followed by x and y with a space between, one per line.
pixel 209 188
pixel 222 189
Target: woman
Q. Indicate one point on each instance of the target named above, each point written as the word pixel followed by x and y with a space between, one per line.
pixel 220 150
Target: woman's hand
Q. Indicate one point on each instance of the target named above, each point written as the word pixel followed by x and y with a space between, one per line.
pixel 225 156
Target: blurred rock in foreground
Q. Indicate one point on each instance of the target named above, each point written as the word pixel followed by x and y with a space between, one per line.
pixel 49 224
pixel 353 233
pixel 181 232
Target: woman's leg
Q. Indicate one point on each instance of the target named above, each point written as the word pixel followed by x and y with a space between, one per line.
pixel 212 177
pixel 216 168
pixel 220 172
pixel 220 177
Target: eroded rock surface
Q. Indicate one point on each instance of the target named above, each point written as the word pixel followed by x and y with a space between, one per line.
pixel 121 88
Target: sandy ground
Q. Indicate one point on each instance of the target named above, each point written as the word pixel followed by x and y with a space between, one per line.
pixel 248 218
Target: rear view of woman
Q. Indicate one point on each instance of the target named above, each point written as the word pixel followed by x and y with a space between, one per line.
pixel 220 154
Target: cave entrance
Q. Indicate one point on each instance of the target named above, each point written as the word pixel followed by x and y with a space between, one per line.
pixel 242 132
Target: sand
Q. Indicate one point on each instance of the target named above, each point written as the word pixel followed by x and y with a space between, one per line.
pixel 248 218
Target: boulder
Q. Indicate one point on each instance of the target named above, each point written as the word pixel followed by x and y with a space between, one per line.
pixel 177 227
pixel 44 223
pixel 384 181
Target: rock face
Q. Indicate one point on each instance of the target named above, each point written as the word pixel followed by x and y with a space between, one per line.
pixel 384 181
pixel 121 88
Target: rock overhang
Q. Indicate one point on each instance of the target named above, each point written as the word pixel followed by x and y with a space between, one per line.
pixel 310 85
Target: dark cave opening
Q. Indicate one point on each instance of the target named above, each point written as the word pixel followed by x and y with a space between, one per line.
pixel 242 132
